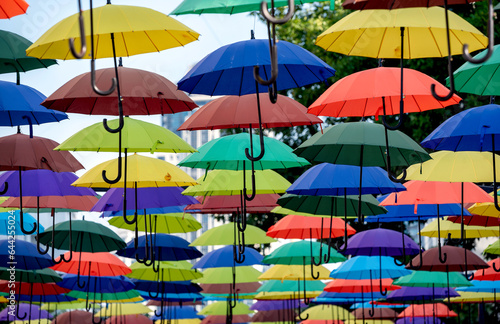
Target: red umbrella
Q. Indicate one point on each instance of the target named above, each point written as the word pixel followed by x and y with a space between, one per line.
pixel 302 227
pixel 426 310
pixel 128 319
pixel 73 317
pixel 77 203
pixel 359 286
pixel 94 264
pixel 365 94
pixel 378 313
pixel 186 303
pixel 143 93
pixel 489 273
pixel 221 319
pixel 33 289
pixel 11 8
pixel 238 112
pixel 278 315
pixel 242 288
pixel 261 204
pixel 476 220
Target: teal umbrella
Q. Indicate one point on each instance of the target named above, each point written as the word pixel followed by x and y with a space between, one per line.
pixel 226 6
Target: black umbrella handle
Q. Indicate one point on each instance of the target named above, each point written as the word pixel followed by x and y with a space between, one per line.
pixel 83 50
pixel 491 41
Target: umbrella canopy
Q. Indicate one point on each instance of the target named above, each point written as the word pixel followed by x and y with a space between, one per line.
pixel 180 313
pixel 230 183
pixel 228 153
pixel 221 319
pixel 142 30
pixel 421 27
pixel 96 264
pixel 45 204
pixel 273 316
pixel 327 179
pixel 165 223
pixel 225 275
pixel 303 227
pixel 455 260
pixel 362 94
pixel 166 247
pixel 432 279
pixel 20 105
pixel 415 294
pixel 142 171
pixel 13 8
pixel 380 241
pixel 20 150
pixel 475 220
pixel 364 267
pixel 73 317
pixel 290 287
pixel 493 248
pixel 418 320
pixel 26 255
pixel 299 253
pixel 454 230
pixel 378 313
pixel 479 79
pixel 128 319
pixel 261 204
pixel 98 297
pixel 224 235
pixel 369 4
pixel 482 286
pixel 143 93
pixel 489 273
pixel 86 236
pixel 229 69
pixel 168 270
pixel 343 144
pixel 224 6
pixel 360 286
pixel 102 284
pixel 327 312
pixel 167 287
pixel 238 112
pixel 31 309
pixel 266 305
pixel 438 310
pixel 137 136
pixel 45 275
pixel 6 222
pixel 65 306
pixel 243 288
pixel 294 272
pixel 32 289
pixel 219 308
pixel 223 258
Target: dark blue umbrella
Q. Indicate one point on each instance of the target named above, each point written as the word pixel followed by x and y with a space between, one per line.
pixel 171 287
pixel 23 255
pixel 223 257
pixel 419 320
pixel 420 294
pixel 229 69
pixel 149 211
pixel 104 284
pixel 21 105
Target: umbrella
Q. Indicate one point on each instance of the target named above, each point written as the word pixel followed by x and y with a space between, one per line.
pixel 418 320
pixel 33 311
pixel 34 289
pixel 222 258
pixel 20 105
pixel 263 203
pixel 454 230
pixel 171 287
pixel 143 93
pixel 222 319
pixel 45 275
pixel 243 287
pixel 433 279
pixel 475 220
pixel 128 319
pixel 299 253
pixel 328 312
pixel 104 284
pixel 438 310
pixel 489 273
pixel 493 248
pixel 6 221
pixel 273 316
pixel 225 7
pixel 263 305
pixel 120 309
pixel 73 317
pixel 234 112
pixel 378 313
pixel 369 267
pixel 23 255
pixel 95 264
pixel 294 272
pixel 13 8
pixel 223 235
pixel 289 289
pixel 164 223
pixel 219 308
pixel 169 271
pixel 224 275
pixel 420 293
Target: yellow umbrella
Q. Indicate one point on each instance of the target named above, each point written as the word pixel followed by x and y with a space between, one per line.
pixel 123 309
pixel 137 30
pixel 474 297
pixel 229 183
pixel 141 172
pixel 165 223
pixel 454 229
pixel 224 275
pixel 38 321
pixel 484 209
pixel 377 34
pixel 294 272
pixel 327 312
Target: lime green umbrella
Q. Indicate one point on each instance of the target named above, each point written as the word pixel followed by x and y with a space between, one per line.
pixel 220 308
pixel 137 136
pixel 82 236
pixel 224 234
pixel 432 279
pixel 225 6
pixel 102 297
pixel 224 275
pixel 493 248
pixel 229 183
pixel 300 253
pixel 168 270
pixel 331 205
pixel 165 223
pixel 228 153
pixel 77 304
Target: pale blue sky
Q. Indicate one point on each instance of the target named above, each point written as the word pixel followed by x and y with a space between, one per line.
pixel 216 31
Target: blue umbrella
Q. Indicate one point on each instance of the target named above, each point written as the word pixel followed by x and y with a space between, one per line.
pixel 167 297
pixel 161 247
pixel 368 305
pixel 22 255
pixel 103 284
pixel 223 257
pixel 10 223
pixel 482 286
pixel 170 287
pixel 178 313
pixel 369 267
pixel 21 105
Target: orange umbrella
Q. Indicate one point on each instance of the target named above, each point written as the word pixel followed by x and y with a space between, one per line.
pixel 94 264
pixel 11 8
pixel 425 310
pixel 489 273
pixel 302 227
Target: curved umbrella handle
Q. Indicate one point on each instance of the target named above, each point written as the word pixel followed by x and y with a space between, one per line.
pixel 371 311
pixel 42 252
pixel 442 257
pixel 396 261
pixel 274 69
pixel 83 50
pixel 21 214
pixel 494 266
pixel 388 162
pixel 93 312
pixel 411 266
pixel 383 292
pixel 402 116
pixel 270 17
pixel 328 255
pixel 157 288
pixel 313 261
pixel 242 217
pixel 19 299
pixel 118 177
pixel 299 311
pixel 62 258
pixel 6 187
pixel 491 34
pixel 261 133
pixel 254 189
pixel 273 93
pixel 238 258
pixel 340 248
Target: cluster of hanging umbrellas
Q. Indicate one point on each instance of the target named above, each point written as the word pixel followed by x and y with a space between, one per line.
pixel 80 271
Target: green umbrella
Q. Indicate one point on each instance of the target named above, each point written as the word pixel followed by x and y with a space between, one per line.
pixel 493 248
pixel 328 312
pixel 13 55
pixel 64 305
pixel 229 183
pixel 290 286
pixel 300 253
pixel 165 223
pixel 228 153
pixel 35 276
pixel 103 297
pixel 432 279
pixel 224 235
pixel 497 7
pixel 137 136
pixel 479 79
pixel 225 275
pixel 225 6
pixel 81 236
pixel 220 308
pixel 168 270
pixel 331 205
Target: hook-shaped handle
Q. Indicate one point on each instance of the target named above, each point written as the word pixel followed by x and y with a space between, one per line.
pixel 83 50
pixel 401 116
pixel 328 254
pixel 388 162
pixel 271 19
pixel 442 257
pixel 121 123
pixel 157 289
pixel 261 133
pixel 343 248
pixel 396 261
pixel 62 258
pixel 6 187
pixel 238 258
pixel 94 86
pixel 115 180
pixel 241 220
pixel 383 292
pixel 314 276
pixel 93 312
pixel 313 261
pixel 21 214
pixel 274 70
pixel 371 311
pixel 494 266
pixel 254 189
pixel 491 35
pixel 40 250
pixel 411 266
pixel 19 299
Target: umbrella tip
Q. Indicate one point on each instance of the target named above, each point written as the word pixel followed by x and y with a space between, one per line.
pixel 252 34
pixel 120 62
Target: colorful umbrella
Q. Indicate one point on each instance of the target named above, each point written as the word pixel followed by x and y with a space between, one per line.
pixel 168 271
pixel 222 258
pixel 32 289
pixel 223 235
pixel 221 319
pixel 328 312
pixel 454 230
pixel 33 311
pixel 433 279
pixel 6 224
pixel 13 8
pixel 219 308
pixel 273 316
pixel 225 6
pixel 378 313
pixel 224 275
pixel 95 264
pixel 242 287
pixel 45 275
pixel 128 319
pixel 294 272
pixel 299 253
pixel 438 310
pixel 23 255
pixel 163 223
pixel 74 316
pixel 263 203
pixel 414 294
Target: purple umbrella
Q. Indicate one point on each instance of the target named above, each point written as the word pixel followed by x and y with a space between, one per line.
pixel 420 293
pixel 268 305
pixel 34 312
pixel 418 320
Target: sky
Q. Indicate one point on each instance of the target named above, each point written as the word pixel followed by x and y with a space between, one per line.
pixel 216 30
